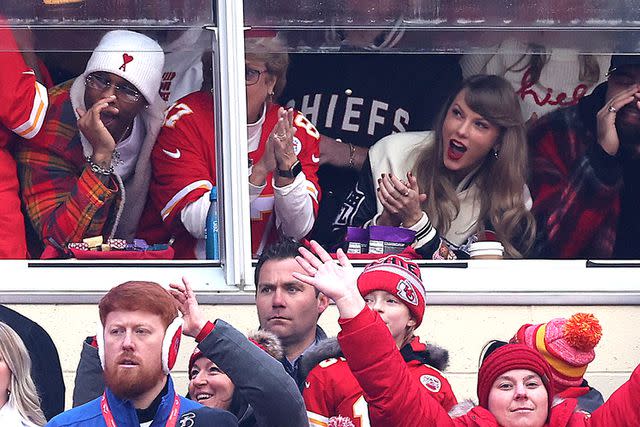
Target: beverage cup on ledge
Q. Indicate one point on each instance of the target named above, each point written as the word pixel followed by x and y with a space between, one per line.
pixel 486 250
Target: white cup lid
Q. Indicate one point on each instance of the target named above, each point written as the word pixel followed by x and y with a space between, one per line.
pixel 486 248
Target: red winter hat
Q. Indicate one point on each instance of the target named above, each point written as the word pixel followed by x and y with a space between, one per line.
pixel 566 344
pixel 399 277
pixel 507 358
pixel 197 354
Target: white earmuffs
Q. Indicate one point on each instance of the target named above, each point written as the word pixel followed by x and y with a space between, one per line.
pixel 170 344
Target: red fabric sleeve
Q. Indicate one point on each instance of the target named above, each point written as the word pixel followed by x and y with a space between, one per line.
pixel 309 156
pixel 318 399
pixel 206 330
pixel 183 158
pixel 23 101
pixel 395 397
pixel 622 409
pixel 570 202
pixel 61 204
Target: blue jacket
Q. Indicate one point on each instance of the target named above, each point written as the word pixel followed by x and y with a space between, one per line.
pixel 124 414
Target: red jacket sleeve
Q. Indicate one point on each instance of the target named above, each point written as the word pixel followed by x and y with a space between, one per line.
pixel 395 398
pixel 23 101
pixel 65 200
pixel 622 409
pixel 183 158
pixel 309 156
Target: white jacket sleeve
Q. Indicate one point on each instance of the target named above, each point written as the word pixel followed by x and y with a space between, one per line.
pixel 194 216
pixel 294 208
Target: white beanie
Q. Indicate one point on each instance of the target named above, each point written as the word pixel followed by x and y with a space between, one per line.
pixel 132 56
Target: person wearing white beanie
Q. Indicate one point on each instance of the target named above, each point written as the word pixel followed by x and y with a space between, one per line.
pixel 88 173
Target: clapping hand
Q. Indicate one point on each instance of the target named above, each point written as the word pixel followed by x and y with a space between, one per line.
pixel 282 138
pixel 401 201
pixel 337 281
pixel 278 151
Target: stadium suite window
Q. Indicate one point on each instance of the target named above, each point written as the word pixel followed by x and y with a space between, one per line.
pixel 460 25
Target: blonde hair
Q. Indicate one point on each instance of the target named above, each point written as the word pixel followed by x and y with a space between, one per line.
pixel 272 52
pixel 500 180
pixel 24 396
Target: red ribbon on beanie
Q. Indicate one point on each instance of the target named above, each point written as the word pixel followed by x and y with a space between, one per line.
pixel 126 58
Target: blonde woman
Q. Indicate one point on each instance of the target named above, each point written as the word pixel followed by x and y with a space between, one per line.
pixel 19 401
pixel 452 184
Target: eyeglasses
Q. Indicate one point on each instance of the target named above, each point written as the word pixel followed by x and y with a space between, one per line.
pixel 251 75
pixel 123 92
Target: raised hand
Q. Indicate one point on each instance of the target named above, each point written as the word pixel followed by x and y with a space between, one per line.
pixel 337 281
pixel 91 126
pixel 193 317
pixel 606 118
pixel 401 201
pixel 282 135
pixel 278 150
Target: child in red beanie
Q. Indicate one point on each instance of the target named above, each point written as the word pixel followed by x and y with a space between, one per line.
pixel 392 287
pixel 515 384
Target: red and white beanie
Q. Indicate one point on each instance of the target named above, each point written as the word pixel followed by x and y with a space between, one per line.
pixel 399 277
pixel 132 56
pixel 566 344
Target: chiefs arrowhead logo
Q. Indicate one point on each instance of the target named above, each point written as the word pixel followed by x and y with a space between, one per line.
pixel 406 292
pixel 297 145
pixel 126 58
pixel 431 383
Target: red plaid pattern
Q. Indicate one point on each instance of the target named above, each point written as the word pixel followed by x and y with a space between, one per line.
pixel 65 200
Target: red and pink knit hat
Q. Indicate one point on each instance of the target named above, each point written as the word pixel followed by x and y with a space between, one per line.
pixel 566 344
pixel 399 277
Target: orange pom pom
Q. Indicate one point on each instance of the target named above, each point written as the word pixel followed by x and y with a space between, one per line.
pixel 583 331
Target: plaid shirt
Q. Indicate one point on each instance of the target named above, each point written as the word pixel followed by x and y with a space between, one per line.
pixel 65 200
pixel 575 185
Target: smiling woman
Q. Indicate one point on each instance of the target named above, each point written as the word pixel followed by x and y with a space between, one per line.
pixel 515 382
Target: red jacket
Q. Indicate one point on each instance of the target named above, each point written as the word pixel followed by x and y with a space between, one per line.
pixel 184 168
pixel 396 399
pixel 331 389
pixel 23 105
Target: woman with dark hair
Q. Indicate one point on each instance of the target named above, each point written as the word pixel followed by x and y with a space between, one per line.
pixel 515 383
pixel 19 401
pixel 451 184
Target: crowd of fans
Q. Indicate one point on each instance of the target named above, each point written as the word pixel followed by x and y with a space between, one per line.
pixel 539 150
pixel 377 372
pixel 539 153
